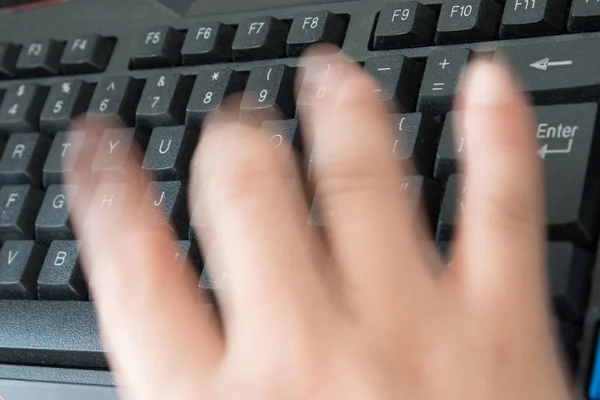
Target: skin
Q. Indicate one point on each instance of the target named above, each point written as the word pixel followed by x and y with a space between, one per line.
pixel 360 310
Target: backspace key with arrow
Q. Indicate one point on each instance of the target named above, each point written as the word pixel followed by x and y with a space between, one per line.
pixel 557 72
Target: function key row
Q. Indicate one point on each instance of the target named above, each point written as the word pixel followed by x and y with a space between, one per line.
pixel 252 39
pixel 80 55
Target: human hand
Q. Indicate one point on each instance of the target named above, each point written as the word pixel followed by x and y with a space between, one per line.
pixel 363 311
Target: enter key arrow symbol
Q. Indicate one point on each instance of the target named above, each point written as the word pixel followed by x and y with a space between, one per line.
pixel 544 63
pixel 543 151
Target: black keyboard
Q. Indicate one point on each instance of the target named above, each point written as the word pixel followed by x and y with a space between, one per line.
pixel 161 67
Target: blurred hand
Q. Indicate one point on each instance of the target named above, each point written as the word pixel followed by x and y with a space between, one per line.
pixel 362 312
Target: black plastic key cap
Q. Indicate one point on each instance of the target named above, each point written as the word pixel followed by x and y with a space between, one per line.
pixel 404 24
pixel 86 54
pixel 463 21
pixel 19 205
pixel 52 222
pixel 8 59
pixel 398 77
pixel 66 101
pixel 259 38
pixel 450 150
pixel 114 148
pixel 269 89
pixel 424 197
pixel 157 47
pixel 415 141
pixel 20 265
pixel 584 16
pixel 169 152
pixel 452 206
pixel 315 27
pixel 212 86
pixel 116 98
pixel 61 277
pixel 524 18
pixel 163 101
pixel 441 79
pixel 283 130
pixel 23 159
pixel 207 43
pixel 165 204
pixel 40 58
pixel 63 148
pixel 21 108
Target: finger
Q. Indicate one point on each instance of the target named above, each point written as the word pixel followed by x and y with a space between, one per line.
pixel 145 306
pixel 259 251
pixel 359 185
pixel 502 232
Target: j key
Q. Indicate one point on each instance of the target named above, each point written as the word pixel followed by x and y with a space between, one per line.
pixel 449 150
pixel 169 152
pixel 61 277
pixel 8 59
pixel 404 24
pixel 86 54
pixel 452 205
pixel 440 80
pixel 66 101
pixel 523 18
pixel 284 131
pixel 165 204
pixel 207 43
pixel 40 58
pixel 315 27
pixel 20 265
pixel 557 72
pixel 62 149
pixel 259 38
pixel 23 159
pixel 19 205
pixel 569 271
pixel 210 89
pixel 415 141
pixel 116 98
pixel 157 47
pixel 424 196
pixel 463 21
pixel 269 89
pixel 584 16
pixel 398 78
pixel 114 148
pixel 52 222
pixel 163 101
pixel 21 108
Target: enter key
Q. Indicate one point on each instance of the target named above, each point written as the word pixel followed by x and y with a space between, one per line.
pixel 569 152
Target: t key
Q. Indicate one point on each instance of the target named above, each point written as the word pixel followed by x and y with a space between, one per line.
pixel 440 80
pixel 163 101
pixel 66 101
pixel 270 89
pixel 116 98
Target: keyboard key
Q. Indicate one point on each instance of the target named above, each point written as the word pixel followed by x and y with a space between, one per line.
pixel 86 54
pixel 449 150
pixel 157 47
pixel 21 108
pixel 40 58
pixel 440 80
pixel 398 77
pixel 524 18
pixel 19 205
pixel 55 166
pixel 281 130
pixel 315 27
pixel 270 89
pixel 61 277
pixel 66 101
pixel 8 59
pixel 452 205
pixel 209 91
pixel 259 38
pixel 20 265
pixel 52 222
pixel 114 148
pixel 463 21
pixel 424 197
pixel 584 16
pixel 404 24
pixel 568 271
pixel 117 98
pixel 207 43
pixel 23 159
pixel 166 205
pixel 169 152
pixel 188 252
pixel 163 101
pixel 415 141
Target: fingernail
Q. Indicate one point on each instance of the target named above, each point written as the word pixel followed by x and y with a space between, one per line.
pixel 488 84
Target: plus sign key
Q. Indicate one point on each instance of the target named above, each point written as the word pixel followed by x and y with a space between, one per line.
pixel 441 79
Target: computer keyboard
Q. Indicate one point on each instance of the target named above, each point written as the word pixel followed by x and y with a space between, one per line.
pixel 160 70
